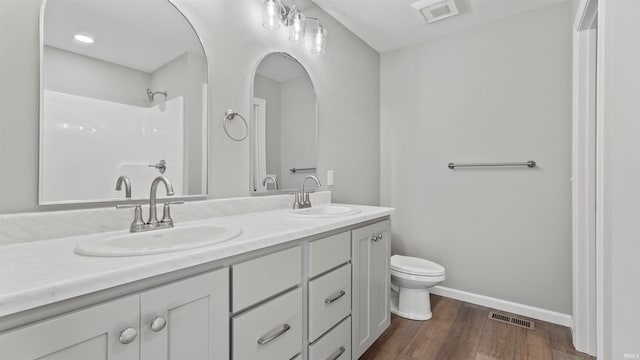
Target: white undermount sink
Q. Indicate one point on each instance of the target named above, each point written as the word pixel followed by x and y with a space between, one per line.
pixel 159 241
pixel 323 211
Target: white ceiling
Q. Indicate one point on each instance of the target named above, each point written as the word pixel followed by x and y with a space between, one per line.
pixel 391 24
pixel 142 35
pixel 280 67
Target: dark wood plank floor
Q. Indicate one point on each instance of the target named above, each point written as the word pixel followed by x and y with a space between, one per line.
pixel 463 331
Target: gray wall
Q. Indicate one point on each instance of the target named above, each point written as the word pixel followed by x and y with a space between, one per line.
pixel 81 75
pixel 297 131
pixel 184 76
pixel 499 92
pixel 346 80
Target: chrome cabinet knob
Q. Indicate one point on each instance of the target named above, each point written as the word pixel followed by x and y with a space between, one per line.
pixel 158 324
pixel 128 335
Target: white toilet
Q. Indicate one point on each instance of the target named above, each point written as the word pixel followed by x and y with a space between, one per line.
pixel 411 279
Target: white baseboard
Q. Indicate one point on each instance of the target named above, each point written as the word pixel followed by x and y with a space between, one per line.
pixel 504 305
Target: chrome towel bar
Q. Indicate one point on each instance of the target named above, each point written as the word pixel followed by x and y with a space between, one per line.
pixel 294 170
pixel 529 163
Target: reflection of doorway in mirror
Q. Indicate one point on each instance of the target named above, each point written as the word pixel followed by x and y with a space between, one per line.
pixel 258 137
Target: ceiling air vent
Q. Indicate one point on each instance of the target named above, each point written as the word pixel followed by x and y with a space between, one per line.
pixel 434 10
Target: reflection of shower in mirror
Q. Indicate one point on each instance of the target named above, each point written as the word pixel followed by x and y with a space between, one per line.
pixel 97 141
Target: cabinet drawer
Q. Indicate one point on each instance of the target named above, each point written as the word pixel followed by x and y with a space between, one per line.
pixel 335 345
pixel 329 300
pixel 270 331
pixel 327 253
pixel 257 279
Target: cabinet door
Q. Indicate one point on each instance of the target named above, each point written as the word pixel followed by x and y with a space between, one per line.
pixel 380 282
pixel 92 333
pixel 370 285
pixel 196 316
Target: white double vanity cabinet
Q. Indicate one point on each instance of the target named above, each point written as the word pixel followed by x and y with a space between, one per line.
pixel 321 297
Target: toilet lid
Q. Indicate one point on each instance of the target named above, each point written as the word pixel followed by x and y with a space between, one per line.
pixel 415 266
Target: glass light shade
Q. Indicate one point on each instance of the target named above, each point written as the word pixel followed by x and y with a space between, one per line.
pixel 319 41
pixel 297 27
pixel 271 14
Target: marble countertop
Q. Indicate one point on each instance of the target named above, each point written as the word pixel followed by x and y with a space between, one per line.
pixel 45 272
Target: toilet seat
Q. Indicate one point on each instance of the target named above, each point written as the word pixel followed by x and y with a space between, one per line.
pixel 415 266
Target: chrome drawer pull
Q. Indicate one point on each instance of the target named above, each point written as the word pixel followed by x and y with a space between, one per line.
pixel 268 338
pixel 337 354
pixel 333 298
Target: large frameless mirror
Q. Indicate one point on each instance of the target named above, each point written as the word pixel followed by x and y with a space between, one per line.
pixel 123 93
pixel 284 125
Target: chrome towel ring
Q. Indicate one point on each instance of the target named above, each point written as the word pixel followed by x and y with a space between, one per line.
pixel 230 115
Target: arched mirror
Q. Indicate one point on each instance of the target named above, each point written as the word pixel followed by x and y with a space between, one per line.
pixel 123 93
pixel 284 125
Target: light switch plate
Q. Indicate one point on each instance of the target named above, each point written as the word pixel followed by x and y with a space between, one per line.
pixel 329 177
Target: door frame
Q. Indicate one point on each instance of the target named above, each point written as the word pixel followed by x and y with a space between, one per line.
pixel 258 143
pixel 584 184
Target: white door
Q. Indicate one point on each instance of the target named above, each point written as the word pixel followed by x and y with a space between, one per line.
pixel 90 334
pixel 188 319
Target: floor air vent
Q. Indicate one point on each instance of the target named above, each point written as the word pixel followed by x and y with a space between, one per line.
pixel 511 320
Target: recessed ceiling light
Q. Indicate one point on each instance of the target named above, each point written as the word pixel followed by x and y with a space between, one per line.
pixel 83 39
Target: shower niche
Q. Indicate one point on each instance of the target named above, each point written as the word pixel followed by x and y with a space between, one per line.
pixel 122 93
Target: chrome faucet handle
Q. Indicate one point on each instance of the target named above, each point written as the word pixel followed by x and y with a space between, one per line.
pixel 166 212
pixel 137 224
pixel 161 166
pixel 297 204
pixel 125 206
pixel 166 215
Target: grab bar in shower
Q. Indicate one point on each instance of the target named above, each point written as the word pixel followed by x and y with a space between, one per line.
pixel 529 163
pixel 294 170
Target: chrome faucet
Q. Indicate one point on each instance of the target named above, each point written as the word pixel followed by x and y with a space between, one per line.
pixel 138 224
pixel 153 217
pixel 301 199
pixel 272 178
pixel 127 185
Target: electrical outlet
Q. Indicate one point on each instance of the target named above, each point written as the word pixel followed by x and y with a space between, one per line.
pixel 329 177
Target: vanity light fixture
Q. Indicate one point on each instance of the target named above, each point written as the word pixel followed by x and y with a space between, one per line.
pixel 85 39
pixel 275 13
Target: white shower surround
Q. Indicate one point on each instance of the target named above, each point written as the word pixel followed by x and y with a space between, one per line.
pixel 116 139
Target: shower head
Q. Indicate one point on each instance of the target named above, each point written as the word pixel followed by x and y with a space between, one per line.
pixel 152 94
